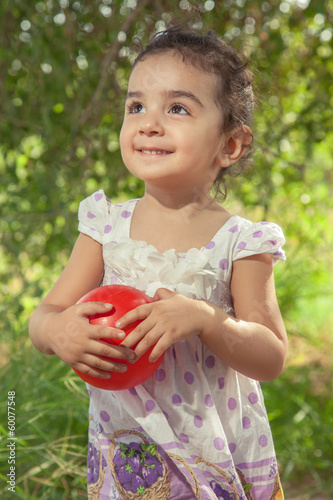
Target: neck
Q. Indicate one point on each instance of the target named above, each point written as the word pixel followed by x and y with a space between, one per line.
pixel 191 202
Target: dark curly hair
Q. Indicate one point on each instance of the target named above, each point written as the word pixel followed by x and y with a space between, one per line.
pixel 234 92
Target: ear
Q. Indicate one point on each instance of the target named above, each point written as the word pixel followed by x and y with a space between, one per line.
pixel 235 144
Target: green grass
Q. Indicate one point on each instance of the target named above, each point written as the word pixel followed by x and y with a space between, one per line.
pixel 51 428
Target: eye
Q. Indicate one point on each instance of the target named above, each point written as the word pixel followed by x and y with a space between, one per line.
pixel 135 107
pixel 178 109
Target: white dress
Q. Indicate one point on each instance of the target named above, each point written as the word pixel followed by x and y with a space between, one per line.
pixel 196 429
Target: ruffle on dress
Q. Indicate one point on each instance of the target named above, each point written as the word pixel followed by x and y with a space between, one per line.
pixel 191 274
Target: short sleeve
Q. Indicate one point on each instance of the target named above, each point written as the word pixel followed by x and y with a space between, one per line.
pixel 258 238
pixel 94 212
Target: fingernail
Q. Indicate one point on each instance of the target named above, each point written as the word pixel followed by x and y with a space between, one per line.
pixel 123 368
pixel 117 324
pixel 132 357
pixel 108 305
pixel 121 335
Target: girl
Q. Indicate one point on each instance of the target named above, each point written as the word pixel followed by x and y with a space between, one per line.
pixel 198 428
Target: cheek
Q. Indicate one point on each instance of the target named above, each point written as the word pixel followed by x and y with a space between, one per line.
pixel 124 139
pixel 124 145
pixel 122 134
pixel 188 139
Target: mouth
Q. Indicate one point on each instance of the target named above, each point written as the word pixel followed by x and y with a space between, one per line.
pixel 154 152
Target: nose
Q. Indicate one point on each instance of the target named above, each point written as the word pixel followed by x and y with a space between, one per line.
pixel 151 124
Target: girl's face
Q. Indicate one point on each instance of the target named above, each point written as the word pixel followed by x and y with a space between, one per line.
pixel 171 134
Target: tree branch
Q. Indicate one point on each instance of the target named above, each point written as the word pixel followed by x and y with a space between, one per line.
pixel 110 56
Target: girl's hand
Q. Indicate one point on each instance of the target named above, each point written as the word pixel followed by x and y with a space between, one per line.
pixel 78 343
pixel 168 319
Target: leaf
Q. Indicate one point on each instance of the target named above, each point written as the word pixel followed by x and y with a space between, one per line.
pixel 247 488
pixel 151 448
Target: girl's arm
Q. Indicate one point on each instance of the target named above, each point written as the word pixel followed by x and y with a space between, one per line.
pixel 60 326
pixel 254 343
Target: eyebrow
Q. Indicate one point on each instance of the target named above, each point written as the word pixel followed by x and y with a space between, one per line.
pixel 137 95
pixel 169 93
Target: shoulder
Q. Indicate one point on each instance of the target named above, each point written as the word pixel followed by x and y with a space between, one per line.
pixel 253 238
pixel 94 205
pixel 99 204
pixel 93 213
pixel 98 215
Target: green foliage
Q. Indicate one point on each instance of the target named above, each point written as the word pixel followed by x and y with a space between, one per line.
pixel 63 71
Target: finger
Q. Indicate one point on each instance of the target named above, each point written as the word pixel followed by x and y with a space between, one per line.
pixel 163 293
pixel 136 314
pixel 102 364
pixel 90 308
pixel 148 341
pixel 160 347
pixel 99 367
pixel 139 333
pixel 105 350
pixel 107 332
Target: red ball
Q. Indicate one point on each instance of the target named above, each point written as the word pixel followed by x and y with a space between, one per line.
pixel 124 299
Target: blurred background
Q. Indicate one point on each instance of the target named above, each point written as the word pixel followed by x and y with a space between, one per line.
pixel 64 66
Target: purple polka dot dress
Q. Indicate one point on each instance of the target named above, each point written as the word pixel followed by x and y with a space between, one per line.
pixel 196 429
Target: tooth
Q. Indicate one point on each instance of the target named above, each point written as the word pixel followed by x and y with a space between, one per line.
pixel 156 152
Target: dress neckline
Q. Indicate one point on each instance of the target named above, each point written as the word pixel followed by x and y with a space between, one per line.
pixel 210 244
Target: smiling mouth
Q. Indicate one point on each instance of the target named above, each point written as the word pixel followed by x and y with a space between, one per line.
pixel 154 152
